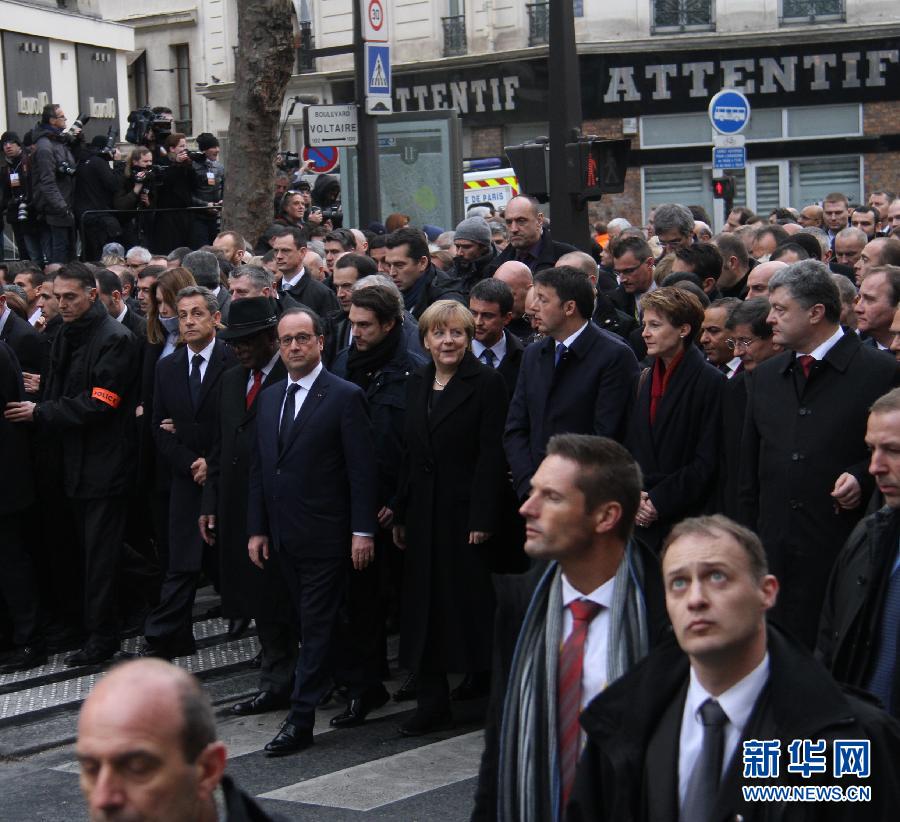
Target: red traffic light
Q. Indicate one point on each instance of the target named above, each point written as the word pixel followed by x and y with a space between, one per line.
pixel 723 188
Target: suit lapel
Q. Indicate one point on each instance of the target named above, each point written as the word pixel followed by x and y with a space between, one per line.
pixel 315 396
pixel 277 374
pixel 661 777
pixel 214 370
pixel 682 379
pixel 458 390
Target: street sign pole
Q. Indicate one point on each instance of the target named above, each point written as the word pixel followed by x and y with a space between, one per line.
pixel 569 215
pixel 368 184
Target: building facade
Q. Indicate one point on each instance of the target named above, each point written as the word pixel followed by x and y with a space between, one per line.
pixel 822 77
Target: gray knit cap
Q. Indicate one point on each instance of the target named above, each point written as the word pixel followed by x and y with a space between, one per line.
pixel 475 230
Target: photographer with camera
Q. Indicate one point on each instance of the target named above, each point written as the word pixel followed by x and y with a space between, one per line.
pixel 209 185
pixel 96 186
pixel 136 192
pixel 326 194
pixel 175 190
pixel 53 183
pixel 15 197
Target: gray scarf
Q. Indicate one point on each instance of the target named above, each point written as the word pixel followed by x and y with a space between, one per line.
pixel 528 768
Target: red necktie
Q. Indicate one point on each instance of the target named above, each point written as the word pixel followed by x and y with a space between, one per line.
pixel 254 389
pixel 571 665
pixel 806 362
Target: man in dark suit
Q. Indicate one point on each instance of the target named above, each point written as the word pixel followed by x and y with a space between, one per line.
pixel 529 238
pixel 313 499
pixel 289 246
pixel 410 267
pixel 109 291
pixel 29 346
pixel 185 419
pixel 579 519
pixel 879 294
pixel 679 735
pixel 490 302
pixel 248 592
pixel 578 380
pixel 803 485
pixel 633 262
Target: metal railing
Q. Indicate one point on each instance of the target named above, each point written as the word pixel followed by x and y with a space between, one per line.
pixel 538 23
pixel 455 42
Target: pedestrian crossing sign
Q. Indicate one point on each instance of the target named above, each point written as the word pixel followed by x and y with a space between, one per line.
pixel 378 79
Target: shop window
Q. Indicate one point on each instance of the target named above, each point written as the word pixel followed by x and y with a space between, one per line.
pixel 824 121
pixel 689 184
pixel 812 11
pixel 672 16
pixel 812 179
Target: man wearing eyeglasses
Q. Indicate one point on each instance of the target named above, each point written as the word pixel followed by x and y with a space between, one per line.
pixel 674 226
pixel 54 184
pixel 312 506
pixel 633 263
pixel 714 337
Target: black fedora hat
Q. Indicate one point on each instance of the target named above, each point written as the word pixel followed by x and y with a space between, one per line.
pixel 249 316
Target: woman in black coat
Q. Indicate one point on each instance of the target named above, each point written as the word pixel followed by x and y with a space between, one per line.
pixel 452 489
pixel 673 428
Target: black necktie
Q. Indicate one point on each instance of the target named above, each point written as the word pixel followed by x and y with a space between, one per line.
pixel 287 416
pixel 489 357
pixel 703 786
pixel 195 380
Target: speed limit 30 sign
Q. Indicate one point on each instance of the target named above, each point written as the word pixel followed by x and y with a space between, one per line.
pixel 374 14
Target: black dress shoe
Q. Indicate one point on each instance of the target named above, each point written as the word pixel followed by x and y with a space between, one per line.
pixel 473 686
pixel 419 724
pixel 408 690
pixel 263 702
pixel 290 739
pixel 237 627
pixel 22 660
pixel 93 653
pixel 358 709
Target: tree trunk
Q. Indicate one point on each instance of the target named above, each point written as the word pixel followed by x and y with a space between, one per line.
pixel 265 59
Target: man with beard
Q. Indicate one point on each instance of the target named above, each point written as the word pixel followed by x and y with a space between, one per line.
pixel 475 251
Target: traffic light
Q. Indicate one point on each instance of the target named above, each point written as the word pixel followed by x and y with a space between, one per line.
pixel 723 188
pixel 596 167
pixel 530 164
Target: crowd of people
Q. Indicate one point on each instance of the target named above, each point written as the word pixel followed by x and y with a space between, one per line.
pixel 539 464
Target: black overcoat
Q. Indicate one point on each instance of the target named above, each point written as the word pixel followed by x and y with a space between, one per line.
pixel 797 440
pixel 452 482
pixel 679 453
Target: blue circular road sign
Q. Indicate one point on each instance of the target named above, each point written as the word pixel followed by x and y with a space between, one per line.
pixel 729 111
pixel 324 158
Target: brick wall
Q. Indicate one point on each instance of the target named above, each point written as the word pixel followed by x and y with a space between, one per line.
pixel 882 170
pixel 627 204
pixel 487 142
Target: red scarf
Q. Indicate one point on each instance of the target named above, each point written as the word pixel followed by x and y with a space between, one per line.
pixel 660 381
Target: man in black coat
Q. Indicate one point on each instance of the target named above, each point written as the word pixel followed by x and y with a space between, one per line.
pixel 529 239
pixel 490 302
pixel 17 582
pixel 96 184
pixel 289 246
pixel 29 346
pixel 859 625
pixel 410 267
pixel 248 592
pixel 89 404
pixel 475 252
pixel 348 270
pixel 579 519
pixel 734 703
pixel 313 434
pixel 803 485
pixel 185 421
pixel 634 263
pixel 578 380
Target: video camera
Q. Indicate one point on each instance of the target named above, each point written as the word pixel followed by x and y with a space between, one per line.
pixel 142 120
pixel 289 160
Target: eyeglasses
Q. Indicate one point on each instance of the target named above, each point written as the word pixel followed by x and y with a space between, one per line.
pixel 302 339
pixel 671 243
pixel 627 272
pixel 743 342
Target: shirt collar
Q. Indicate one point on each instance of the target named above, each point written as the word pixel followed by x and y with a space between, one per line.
pixel 294 280
pixel 820 351
pixel 206 353
pixel 307 381
pixel 569 341
pixel 35 316
pixel 733 364
pixel 499 348
pixel 4 317
pixel 267 368
pixel 737 701
pixel 122 315
pixel 602 595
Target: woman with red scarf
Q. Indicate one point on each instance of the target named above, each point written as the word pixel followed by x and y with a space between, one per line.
pixel 674 423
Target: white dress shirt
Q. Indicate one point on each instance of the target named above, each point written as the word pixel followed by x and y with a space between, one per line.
pixel 593 674
pixel 121 316
pixel 569 341
pixel 737 703
pixel 732 365
pixel 820 351
pixel 206 353
pixel 287 284
pixel 499 349
pixel 266 370
pixel 305 383
pixel 35 316
pixel 3 317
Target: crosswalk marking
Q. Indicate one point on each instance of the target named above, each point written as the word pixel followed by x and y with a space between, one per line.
pixel 392 778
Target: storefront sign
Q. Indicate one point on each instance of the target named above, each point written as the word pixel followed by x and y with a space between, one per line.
pixel 98 93
pixel 26 68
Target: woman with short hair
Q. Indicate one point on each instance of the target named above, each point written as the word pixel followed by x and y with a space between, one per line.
pixel 674 427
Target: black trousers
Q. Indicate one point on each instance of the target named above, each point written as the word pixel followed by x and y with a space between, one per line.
pixel 316 586
pixel 359 650
pixel 100 525
pixel 17 582
pixel 279 640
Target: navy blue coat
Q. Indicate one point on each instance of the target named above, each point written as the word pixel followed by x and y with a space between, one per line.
pixel 587 394
pixel 310 498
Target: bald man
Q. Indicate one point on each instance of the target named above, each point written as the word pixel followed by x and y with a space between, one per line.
pixel 519 279
pixel 758 278
pixel 147 749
